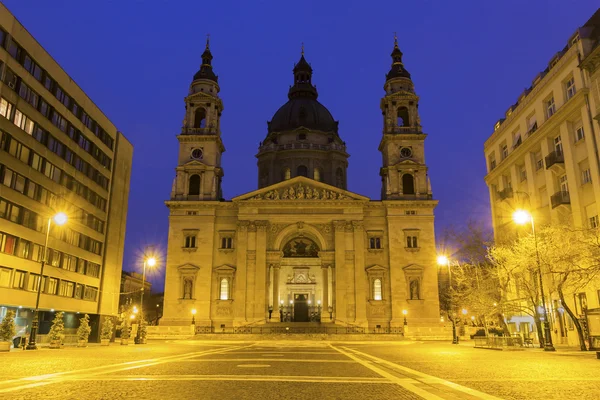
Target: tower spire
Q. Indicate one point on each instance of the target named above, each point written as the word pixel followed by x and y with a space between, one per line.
pixel 206 71
pixel 302 52
pixel 208 41
pixel 397 70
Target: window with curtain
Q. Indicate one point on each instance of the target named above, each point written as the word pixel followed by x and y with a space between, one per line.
pixel 224 289
pixel 377 289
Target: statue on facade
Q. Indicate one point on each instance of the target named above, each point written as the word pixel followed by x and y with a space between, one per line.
pixel 414 289
pixel 187 288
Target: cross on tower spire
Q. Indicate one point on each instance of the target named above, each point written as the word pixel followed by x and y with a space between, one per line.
pixel 207 40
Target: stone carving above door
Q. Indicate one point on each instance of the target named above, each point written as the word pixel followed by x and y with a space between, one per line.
pixel 300 247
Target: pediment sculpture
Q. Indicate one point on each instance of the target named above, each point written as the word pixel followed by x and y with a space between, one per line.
pixel 300 192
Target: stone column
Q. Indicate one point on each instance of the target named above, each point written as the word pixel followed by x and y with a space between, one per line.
pixel 360 289
pixel 202 179
pixel 275 289
pixel 325 299
pixel 261 292
pixel 333 292
pixel 340 280
pixel 239 299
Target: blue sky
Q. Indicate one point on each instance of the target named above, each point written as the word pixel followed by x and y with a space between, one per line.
pixel 469 61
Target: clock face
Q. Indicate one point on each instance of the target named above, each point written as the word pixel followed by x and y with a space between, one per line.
pixel 405 152
pixel 197 154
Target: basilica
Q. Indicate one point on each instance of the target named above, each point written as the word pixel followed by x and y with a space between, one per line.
pixel 302 247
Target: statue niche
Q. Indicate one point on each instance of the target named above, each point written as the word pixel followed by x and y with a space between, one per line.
pixel 300 247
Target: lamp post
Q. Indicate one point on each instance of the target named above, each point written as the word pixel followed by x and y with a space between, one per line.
pixel 404 312
pixel 151 262
pixel 193 316
pixel 444 261
pixel 59 219
pixel 521 217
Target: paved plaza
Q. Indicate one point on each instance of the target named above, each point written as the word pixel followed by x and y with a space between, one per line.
pixel 297 369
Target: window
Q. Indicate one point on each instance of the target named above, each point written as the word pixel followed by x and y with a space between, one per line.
pixel 33 282
pixel 579 134
pixel 78 291
pixel 377 289
pixel 492 161
pixel 5 277
pixel 194 189
pixel 504 150
pixel 226 242
pixel 550 107
pixel 539 162
pixel 302 136
pixel 594 222
pixel 66 289
pixel 408 184
pixel 5 108
pixel 411 242
pixel 522 173
pixel 570 87
pixel 586 176
pixel 200 118
pixel 558 145
pixel 302 171
pixel 224 293
pixel 375 242
pixel 92 269
pixel 190 242
pixel 90 293
pixel 19 281
pixel 8 244
pixel 564 186
pixel 402 118
pixel 52 286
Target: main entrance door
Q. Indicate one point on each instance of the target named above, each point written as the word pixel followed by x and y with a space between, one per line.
pixel 300 308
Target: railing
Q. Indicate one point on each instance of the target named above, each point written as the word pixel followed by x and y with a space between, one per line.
pixel 560 198
pixel 404 129
pixel 554 158
pixel 498 342
pixel 198 131
pixel 302 146
pixel 273 330
pixel 505 193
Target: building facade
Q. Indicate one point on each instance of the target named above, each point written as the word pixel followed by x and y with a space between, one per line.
pixel 543 156
pixel 302 243
pixel 58 153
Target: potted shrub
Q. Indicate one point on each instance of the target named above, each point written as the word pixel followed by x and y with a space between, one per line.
pixel 7 330
pixel 125 331
pixel 106 332
pixel 57 331
pixel 84 330
pixel 142 331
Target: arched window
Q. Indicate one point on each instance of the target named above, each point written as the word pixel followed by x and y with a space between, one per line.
pixel 317 174
pixel 403 117
pixel 339 178
pixel 200 118
pixel 302 171
pixel 194 189
pixel 377 289
pixel 224 289
pixel 286 174
pixel 408 184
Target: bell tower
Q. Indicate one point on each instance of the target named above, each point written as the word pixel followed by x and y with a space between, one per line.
pixel 199 172
pixel 404 172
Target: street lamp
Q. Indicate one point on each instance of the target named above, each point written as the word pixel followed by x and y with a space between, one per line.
pixel 59 219
pixel 193 316
pixel 521 217
pixel 404 312
pixel 442 260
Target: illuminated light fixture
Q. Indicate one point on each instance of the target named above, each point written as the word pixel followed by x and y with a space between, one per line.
pixel 521 217
pixel 131 316
pixel 60 218
pixel 52 310
pixel 464 311
pixel 404 312
pixel 442 260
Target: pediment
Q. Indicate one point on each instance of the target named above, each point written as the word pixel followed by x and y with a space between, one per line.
pixel 188 268
pixel 301 188
pixel 406 162
pixel 413 268
pixel 193 163
pixel 224 268
pixel 375 268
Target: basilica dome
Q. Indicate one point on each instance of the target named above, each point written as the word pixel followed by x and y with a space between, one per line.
pixel 303 112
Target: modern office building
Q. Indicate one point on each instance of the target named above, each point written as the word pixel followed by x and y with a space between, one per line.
pixel 543 156
pixel 58 153
pixel 302 244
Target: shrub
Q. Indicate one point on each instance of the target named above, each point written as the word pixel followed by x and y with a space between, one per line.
pixel 7 327
pixel 125 327
pixel 143 329
pixel 57 330
pixel 84 330
pixel 107 329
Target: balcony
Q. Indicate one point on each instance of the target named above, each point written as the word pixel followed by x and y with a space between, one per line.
pixel 555 162
pixel 406 130
pixel 302 146
pixel 198 131
pixel 505 193
pixel 560 199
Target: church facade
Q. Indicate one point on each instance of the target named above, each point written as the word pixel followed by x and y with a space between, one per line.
pixel 302 247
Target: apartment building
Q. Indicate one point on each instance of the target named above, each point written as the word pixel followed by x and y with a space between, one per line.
pixel 543 156
pixel 58 153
